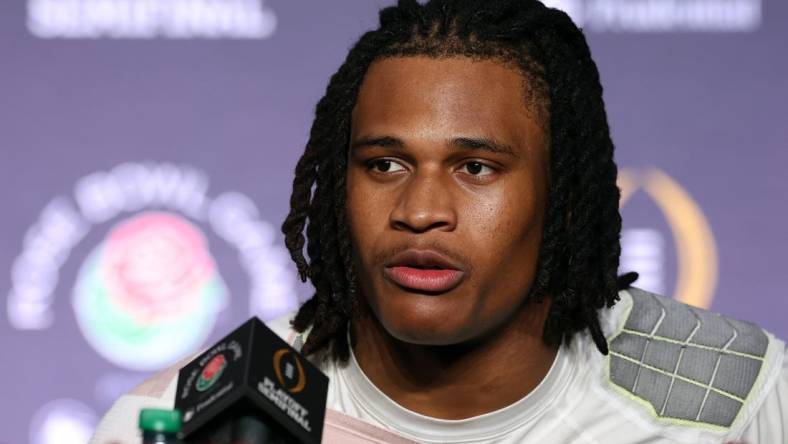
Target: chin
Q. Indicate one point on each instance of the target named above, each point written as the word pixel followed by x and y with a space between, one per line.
pixel 418 325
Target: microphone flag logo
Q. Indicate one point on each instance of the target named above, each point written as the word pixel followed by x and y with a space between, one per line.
pixel 211 373
pixel 286 366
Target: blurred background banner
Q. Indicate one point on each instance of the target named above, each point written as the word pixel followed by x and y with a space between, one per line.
pixel 148 148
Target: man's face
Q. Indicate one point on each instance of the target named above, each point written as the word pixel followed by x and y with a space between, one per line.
pixel 446 185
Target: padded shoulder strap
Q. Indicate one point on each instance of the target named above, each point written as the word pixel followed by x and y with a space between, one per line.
pixel 690 366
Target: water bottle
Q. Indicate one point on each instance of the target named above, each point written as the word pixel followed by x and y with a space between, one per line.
pixel 160 426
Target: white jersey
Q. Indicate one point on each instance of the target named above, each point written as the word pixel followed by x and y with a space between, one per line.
pixel 675 374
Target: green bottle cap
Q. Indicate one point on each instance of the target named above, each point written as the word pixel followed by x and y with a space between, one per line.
pixel 159 420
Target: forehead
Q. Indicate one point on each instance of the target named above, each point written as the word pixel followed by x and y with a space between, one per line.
pixel 456 94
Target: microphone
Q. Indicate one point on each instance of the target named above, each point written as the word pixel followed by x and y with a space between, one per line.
pixel 251 387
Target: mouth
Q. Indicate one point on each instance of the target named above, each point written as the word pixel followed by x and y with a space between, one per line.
pixel 424 271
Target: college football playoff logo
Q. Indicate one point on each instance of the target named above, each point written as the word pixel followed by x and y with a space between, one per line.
pixel 289 371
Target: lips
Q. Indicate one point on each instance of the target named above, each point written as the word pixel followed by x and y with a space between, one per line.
pixel 426 271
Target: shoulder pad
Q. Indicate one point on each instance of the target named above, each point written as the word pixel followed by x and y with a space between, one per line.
pixel 689 365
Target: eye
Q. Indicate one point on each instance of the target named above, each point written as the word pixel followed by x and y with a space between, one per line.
pixel 385 166
pixel 477 169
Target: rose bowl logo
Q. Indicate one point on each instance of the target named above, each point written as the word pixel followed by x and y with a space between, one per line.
pixel 211 373
pixel 149 293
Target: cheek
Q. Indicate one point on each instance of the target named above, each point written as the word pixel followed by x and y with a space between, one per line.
pixel 502 221
pixel 366 214
pixel 506 232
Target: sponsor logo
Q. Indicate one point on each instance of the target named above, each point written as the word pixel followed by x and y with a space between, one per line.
pixel 663 16
pixel 148 19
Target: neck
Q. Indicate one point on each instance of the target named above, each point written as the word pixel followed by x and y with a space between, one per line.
pixel 457 381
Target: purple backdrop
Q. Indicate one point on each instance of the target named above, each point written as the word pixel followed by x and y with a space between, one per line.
pixel 148 149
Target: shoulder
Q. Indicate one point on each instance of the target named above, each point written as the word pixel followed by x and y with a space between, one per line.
pixel 119 424
pixel 688 368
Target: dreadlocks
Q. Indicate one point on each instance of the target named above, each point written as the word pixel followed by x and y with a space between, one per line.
pixel 579 253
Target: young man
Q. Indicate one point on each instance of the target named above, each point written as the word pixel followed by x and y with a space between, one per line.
pixel 457 201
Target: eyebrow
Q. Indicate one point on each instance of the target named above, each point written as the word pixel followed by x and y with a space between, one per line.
pixel 460 143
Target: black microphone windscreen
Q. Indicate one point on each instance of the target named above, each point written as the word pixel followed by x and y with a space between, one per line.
pixel 251 388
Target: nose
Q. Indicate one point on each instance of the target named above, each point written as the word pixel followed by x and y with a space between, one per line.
pixel 424 205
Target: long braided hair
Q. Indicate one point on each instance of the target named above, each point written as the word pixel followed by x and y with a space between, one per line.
pixel 580 248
